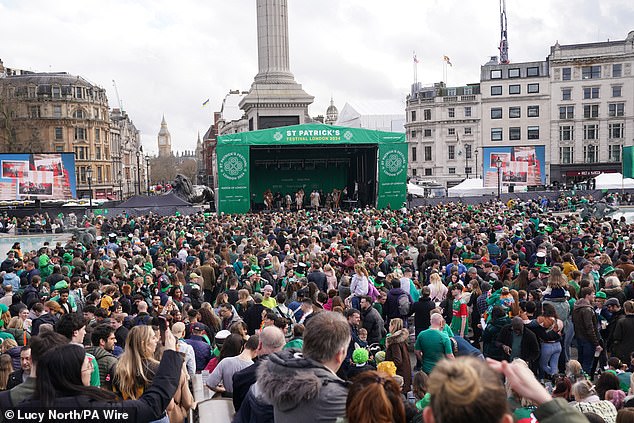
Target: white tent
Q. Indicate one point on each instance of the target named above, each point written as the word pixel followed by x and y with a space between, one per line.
pixel 613 181
pixel 415 190
pixel 470 187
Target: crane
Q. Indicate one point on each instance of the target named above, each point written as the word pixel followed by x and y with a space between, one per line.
pixel 504 42
pixel 116 91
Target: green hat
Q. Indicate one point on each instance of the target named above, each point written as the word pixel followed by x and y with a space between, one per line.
pixel 60 285
pixel 545 270
pixel 147 267
pixel 608 270
pixel 3 309
pixel 360 356
pixel 251 273
pixel 601 294
pixel 67 257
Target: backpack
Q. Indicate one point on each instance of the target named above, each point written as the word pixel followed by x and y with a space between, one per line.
pixel 403 304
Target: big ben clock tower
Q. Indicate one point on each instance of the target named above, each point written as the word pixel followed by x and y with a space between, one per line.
pixel 164 140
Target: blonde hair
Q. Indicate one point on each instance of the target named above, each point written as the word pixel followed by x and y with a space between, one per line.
pixel 6 368
pixel 7 344
pixel 466 390
pixel 132 366
pixel 15 323
pixel 396 324
pixel 582 390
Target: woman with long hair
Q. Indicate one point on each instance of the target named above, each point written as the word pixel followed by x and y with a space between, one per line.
pixel 360 285
pixel 521 281
pixel 396 351
pixel 209 317
pixel 374 397
pixel 437 289
pixel 331 277
pixel 231 347
pixel 245 302
pixel 548 328
pixel 6 368
pixel 137 366
pixel 63 379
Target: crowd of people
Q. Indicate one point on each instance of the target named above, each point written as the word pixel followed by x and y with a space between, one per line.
pixel 498 312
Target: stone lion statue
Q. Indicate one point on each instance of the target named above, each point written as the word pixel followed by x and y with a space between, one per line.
pixel 195 194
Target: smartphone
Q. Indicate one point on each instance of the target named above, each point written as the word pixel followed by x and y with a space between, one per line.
pixel 162 328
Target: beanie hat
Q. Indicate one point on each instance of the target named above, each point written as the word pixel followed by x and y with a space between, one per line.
pixel 3 308
pixel 360 356
pixel 379 356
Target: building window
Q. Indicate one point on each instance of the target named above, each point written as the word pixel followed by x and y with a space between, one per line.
pixel 413 134
pixel 34 112
pixel 614 153
pixel 467 130
pixel 467 151
pixel 413 172
pixel 566 155
pixel 427 114
pixel 451 152
pixel 566 93
pixel 98 153
pixel 590 153
pixel 591 72
pixel 533 132
pixel 451 170
pixel 590 111
pixel 467 170
pixel 515 133
pixel 616 90
pixel 427 133
pixel 79 92
pixel 57 111
pixel 617 70
pixel 452 112
pixel 78 114
pixel 591 132
pixel 59 148
pixel 451 92
pixel 496 113
pixel 496 134
pixel 413 115
pixel 590 92
pixel 98 134
pixel 532 71
pixel 496 90
pixel 496 74
pixel 615 130
pixel 57 92
pixel 515 112
pixel 428 172
pixel 59 133
pixel 414 158
pixel 99 174
pixel 515 89
pixel 566 132
pixel 616 109
pixel 467 111
pixel 533 88
pixel 428 153
pixel 566 74
pixel 468 90
pixel 532 111
pixel 80 133
pixel 451 131
pixel 566 112
pixel 514 73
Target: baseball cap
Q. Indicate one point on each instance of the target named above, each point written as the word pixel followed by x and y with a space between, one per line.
pixel 198 326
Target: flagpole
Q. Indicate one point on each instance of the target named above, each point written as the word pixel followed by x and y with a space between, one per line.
pixel 415 69
pixel 444 72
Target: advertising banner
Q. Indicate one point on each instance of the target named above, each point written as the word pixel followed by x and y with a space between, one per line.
pixel 233 179
pixel 38 176
pixel 392 189
pixel 519 166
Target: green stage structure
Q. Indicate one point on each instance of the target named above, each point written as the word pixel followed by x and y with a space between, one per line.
pixel 310 156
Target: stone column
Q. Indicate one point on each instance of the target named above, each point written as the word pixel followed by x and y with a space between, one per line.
pixel 273 62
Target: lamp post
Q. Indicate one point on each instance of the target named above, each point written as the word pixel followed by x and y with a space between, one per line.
pixel 138 172
pixel 467 151
pixel 476 160
pixel 89 176
pixel 498 162
pixel 147 172
pixel 120 186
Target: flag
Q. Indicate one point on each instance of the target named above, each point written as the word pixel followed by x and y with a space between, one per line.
pixel 628 162
pixel 446 59
pixel 415 58
pixel 205 102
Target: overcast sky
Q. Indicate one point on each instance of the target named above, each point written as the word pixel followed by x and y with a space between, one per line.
pixel 168 57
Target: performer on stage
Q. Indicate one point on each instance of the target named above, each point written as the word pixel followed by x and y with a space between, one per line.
pixel 268 199
pixel 299 199
pixel 314 199
pixel 336 198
